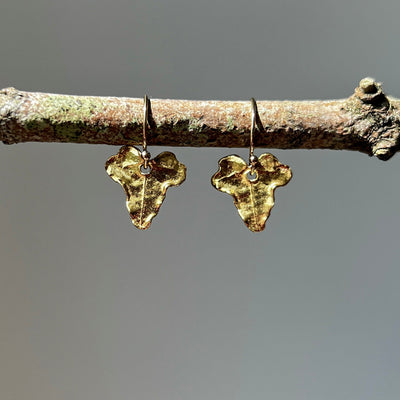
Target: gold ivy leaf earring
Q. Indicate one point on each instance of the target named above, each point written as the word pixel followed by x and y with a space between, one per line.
pixel 144 180
pixel 252 185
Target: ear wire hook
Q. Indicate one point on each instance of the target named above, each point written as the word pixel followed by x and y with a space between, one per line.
pixel 145 154
pixel 254 114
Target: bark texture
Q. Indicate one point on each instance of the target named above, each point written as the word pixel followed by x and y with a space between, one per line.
pixel 368 121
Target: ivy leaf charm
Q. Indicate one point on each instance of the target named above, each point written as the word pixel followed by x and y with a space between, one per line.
pixel 145 191
pixel 253 197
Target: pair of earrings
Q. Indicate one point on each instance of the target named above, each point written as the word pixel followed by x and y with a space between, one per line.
pixel 145 180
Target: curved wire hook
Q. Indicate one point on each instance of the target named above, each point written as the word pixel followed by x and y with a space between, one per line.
pixel 254 114
pixel 145 154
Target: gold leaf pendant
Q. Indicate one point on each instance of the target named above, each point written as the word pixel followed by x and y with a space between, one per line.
pixel 252 196
pixel 145 191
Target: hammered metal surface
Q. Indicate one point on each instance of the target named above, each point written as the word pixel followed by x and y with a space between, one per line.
pixel 145 192
pixel 253 198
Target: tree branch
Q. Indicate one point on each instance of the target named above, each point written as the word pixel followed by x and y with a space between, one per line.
pixel 368 121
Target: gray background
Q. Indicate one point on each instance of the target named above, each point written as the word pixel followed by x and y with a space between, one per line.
pixel 198 307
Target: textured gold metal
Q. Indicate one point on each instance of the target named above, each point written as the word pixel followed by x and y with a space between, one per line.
pixel 145 192
pixel 253 197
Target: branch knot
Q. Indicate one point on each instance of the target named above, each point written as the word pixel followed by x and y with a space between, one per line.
pixel 370 92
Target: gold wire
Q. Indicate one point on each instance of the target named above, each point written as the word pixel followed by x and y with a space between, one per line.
pixel 145 123
pixel 252 129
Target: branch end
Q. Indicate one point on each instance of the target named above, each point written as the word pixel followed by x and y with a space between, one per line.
pixel 384 150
